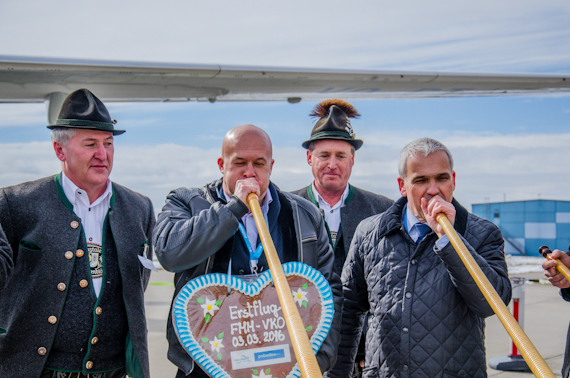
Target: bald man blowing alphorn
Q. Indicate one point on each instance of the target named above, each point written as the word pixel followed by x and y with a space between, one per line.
pixel 197 232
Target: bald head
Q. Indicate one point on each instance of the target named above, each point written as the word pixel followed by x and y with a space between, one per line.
pixel 246 153
pixel 246 137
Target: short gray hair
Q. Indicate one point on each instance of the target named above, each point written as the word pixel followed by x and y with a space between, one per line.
pixel 423 146
pixel 62 135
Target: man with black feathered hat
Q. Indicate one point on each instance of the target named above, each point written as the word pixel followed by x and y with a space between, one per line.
pixel 330 153
pixel 73 304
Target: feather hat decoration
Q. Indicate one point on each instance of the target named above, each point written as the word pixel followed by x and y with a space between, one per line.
pixel 322 108
pixel 334 122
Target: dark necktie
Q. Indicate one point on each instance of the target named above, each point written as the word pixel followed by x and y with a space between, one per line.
pixel 423 229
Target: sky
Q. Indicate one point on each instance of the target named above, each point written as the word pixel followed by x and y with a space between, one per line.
pixel 505 148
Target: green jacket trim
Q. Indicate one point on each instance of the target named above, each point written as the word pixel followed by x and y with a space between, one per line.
pixel 63 197
pixel 132 363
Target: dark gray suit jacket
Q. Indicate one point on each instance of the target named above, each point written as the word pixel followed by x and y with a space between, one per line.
pixel 359 205
pixel 6 263
pixel 37 219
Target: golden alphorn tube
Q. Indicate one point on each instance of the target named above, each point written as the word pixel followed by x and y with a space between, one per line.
pixel 301 344
pixel 545 251
pixel 534 360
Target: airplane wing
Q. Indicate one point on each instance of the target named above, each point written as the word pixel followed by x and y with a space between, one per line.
pixel 26 79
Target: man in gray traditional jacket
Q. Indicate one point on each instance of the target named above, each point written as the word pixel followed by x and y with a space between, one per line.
pixel 74 303
pixel 330 153
pixel 426 311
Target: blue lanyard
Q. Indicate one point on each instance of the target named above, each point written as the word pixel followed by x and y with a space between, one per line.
pixel 253 255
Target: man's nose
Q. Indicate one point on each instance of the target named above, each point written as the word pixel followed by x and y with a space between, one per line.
pixel 332 163
pixel 433 189
pixel 249 171
pixel 101 154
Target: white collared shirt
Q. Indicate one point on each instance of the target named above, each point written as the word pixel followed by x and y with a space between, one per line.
pixel 249 222
pixel 332 214
pixel 411 225
pixel 92 217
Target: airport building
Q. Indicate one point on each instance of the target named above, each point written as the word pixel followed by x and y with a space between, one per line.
pixel 526 225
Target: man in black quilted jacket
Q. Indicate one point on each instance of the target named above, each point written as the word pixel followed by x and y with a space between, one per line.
pixel 427 313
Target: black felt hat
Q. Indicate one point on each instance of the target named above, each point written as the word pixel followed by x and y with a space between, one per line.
pixel 334 123
pixel 83 110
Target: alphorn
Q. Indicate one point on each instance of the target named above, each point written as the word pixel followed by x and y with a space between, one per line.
pixel 301 344
pixel 545 252
pixel 534 360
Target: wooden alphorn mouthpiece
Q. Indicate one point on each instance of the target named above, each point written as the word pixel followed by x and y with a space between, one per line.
pixel 563 269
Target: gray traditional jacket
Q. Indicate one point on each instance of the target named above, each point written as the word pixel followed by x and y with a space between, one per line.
pixel 360 204
pixel 426 312
pixel 195 234
pixel 44 234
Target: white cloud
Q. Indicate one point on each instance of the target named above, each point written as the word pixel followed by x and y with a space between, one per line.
pixel 12 115
pixel 488 166
pixel 435 35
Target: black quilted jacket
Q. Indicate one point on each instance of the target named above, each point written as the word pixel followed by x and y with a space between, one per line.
pixel 427 314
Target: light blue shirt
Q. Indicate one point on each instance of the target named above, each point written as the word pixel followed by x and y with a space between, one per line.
pixel 411 226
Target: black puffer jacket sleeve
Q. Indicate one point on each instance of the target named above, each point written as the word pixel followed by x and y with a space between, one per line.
pixel 487 249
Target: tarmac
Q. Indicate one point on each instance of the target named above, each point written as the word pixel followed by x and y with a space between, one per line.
pixel 546 319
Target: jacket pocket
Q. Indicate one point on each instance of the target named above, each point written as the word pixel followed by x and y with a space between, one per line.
pixel 309 247
pixel 370 372
pixel 30 245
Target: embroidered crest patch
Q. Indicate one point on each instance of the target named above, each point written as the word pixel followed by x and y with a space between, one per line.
pixel 95 260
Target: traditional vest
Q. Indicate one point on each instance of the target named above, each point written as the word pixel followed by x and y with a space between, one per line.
pixel 91 331
pixel 338 245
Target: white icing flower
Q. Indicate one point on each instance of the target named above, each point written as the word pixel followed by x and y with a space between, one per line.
pixel 210 306
pixel 261 375
pixel 216 344
pixel 300 296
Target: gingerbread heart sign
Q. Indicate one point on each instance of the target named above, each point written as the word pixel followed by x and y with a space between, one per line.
pixel 243 334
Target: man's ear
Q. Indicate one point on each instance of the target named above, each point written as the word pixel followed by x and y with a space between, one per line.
pixel 221 165
pixel 59 151
pixel 401 187
pixel 309 158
